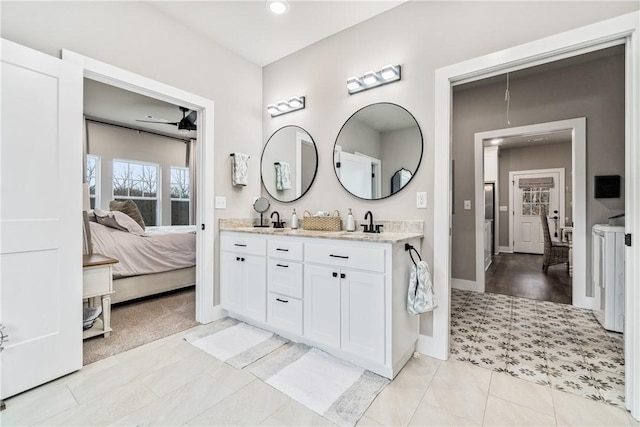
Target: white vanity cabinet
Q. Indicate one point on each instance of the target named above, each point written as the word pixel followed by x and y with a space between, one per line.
pixel 243 272
pixel 284 285
pixel 346 296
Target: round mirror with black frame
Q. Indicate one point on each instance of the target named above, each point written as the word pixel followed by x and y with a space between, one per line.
pixel 378 151
pixel 289 163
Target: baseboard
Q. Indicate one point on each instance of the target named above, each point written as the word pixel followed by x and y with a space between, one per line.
pixel 425 345
pixel 217 314
pixel 505 250
pixel 464 285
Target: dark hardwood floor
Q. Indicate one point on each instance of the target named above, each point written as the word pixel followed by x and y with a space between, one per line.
pixel 521 275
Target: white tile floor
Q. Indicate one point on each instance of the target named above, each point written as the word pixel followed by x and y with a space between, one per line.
pixel 170 382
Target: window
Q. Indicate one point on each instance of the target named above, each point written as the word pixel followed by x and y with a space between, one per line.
pixel 93 179
pixel 179 196
pixel 139 182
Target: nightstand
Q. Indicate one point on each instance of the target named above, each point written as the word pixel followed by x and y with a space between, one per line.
pixel 97 282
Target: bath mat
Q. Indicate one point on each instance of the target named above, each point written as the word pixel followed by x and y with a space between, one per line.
pixel 333 388
pixel 235 342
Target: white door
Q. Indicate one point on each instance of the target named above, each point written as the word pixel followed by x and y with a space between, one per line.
pixel 355 174
pixel 527 202
pixel 362 307
pixel 40 218
pixel 322 305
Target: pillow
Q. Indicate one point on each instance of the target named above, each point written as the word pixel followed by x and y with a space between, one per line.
pixel 119 221
pixel 128 207
pixel 87 246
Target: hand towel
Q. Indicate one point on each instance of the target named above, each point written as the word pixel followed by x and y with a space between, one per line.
pixel 283 176
pixel 239 174
pixel 420 297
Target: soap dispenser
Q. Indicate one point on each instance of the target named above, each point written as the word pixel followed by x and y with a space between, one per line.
pixel 351 223
pixel 294 220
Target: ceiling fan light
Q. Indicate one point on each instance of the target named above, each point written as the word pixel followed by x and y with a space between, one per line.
pixel 370 78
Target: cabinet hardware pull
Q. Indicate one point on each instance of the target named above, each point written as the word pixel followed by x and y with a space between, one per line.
pixel 282 265
pixel 238 244
pixel 242 259
pixel 335 274
pixel 237 258
pixel 339 256
pixel 283 250
pixel 282 300
pixel 342 275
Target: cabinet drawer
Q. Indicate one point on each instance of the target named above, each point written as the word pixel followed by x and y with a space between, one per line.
pixel 96 281
pixel 243 245
pixel 363 258
pixel 285 313
pixel 285 249
pixel 285 277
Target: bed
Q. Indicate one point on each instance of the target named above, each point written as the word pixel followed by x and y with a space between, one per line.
pixel 160 260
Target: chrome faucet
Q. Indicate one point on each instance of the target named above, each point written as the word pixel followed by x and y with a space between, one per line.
pixel 277 223
pixel 370 228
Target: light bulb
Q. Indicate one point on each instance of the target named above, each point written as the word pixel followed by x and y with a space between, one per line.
pixel 279 7
pixel 283 106
pixel 353 83
pixel 295 102
pixel 272 109
pixel 389 72
pixel 370 78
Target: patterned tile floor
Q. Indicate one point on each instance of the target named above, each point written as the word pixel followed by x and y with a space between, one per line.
pixel 551 344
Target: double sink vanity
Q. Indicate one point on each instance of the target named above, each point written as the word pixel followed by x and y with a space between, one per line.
pixel 343 292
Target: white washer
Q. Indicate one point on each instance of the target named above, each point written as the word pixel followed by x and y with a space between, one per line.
pixel 608 275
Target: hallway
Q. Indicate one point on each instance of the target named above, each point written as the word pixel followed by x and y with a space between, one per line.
pixel 521 275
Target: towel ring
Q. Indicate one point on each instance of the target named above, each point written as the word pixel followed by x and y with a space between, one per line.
pixel 408 247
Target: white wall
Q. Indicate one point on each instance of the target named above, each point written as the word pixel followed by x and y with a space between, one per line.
pixel 137 37
pixel 422 36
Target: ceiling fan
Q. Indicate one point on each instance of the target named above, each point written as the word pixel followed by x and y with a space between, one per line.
pixel 187 123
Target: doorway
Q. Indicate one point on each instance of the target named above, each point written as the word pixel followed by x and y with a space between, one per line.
pixel 622 30
pixel 206 310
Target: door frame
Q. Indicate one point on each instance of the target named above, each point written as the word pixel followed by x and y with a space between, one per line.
pixel 561 198
pixel 205 214
pixel 620 30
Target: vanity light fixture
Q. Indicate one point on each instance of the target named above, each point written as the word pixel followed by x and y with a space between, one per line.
pixel 371 79
pixel 283 107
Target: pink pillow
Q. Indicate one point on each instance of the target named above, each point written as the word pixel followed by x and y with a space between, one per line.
pixel 119 221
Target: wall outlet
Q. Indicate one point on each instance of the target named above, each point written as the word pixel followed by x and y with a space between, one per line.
pixel 504 208
pixel 421 199
pixel 467 205
pixel 221 202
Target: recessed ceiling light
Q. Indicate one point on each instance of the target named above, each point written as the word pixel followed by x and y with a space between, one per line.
pixel 279 7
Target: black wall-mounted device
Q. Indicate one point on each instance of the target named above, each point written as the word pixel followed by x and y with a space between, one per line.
pixel 607 186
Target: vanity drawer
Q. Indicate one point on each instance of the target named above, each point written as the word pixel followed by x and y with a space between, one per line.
pixel 285 278
pixel 285 313
pixel 285 249
pixel 362 258
pixel 243 245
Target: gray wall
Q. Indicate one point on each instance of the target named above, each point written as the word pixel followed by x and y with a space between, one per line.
pixel 139 38
pixel 111 142
pixel 399 150
pixel 593 89
pixel 529 158
pixel 281 148
pixel 422 37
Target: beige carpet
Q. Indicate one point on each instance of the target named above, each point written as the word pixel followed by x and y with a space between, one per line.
pixel 142 322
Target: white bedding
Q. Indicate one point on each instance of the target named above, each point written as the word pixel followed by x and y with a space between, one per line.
pixel 157 251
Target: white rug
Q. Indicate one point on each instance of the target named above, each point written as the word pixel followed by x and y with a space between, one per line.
pixel 333 388
pixel 235 342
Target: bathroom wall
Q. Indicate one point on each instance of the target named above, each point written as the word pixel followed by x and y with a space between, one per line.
pixel 422 37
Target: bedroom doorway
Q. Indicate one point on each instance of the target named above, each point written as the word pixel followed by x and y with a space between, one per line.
pixel 205 308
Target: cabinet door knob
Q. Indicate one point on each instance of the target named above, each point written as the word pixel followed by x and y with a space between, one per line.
pixel 237 258
pixel 242 259
pixel 335 274
pixel 342 275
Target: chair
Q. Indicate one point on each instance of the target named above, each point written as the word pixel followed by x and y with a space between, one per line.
pixel 554 252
